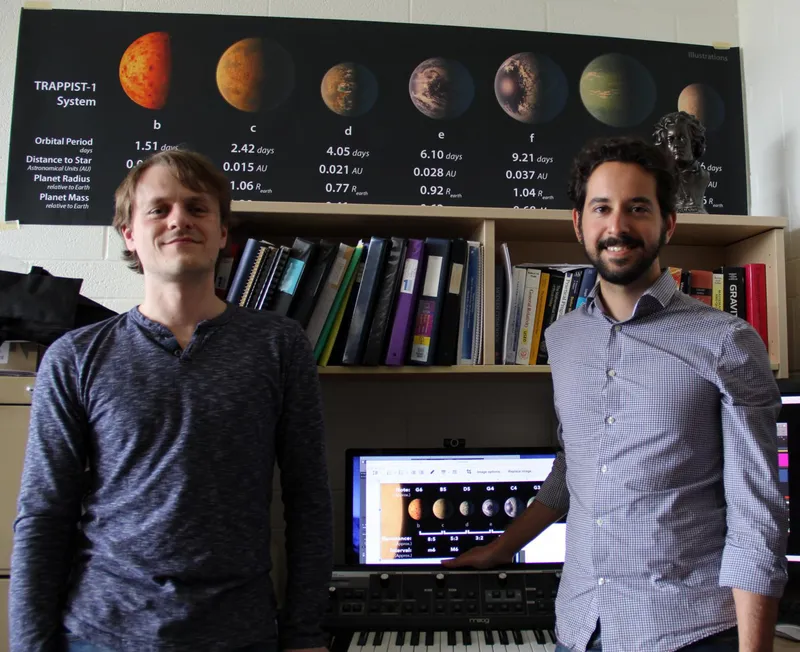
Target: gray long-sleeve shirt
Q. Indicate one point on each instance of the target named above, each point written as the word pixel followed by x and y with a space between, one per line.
pixel 144 512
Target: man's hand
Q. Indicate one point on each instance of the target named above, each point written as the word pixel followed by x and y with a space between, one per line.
pixel 481 557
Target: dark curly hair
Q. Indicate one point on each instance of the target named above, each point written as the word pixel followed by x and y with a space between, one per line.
pixel 697 132
pixel 624 150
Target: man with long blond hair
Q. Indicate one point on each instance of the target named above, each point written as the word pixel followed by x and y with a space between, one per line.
pixel 144 513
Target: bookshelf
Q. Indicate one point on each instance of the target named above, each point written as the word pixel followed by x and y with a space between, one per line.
pixel 542 236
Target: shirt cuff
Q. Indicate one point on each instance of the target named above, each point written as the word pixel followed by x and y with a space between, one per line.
pixel 756 572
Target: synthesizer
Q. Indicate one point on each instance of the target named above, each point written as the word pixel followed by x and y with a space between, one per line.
pixel 442 610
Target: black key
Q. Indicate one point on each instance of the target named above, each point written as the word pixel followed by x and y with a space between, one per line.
pixel 378 638
pixel 401 636
pixel 451 637
pixel 414 642
pixel 429 639
pixel 517 636
pixel 487 634
pixel 552 635
pixel 539 637
pixel 467 637
pixel 362 640
pixel 503 637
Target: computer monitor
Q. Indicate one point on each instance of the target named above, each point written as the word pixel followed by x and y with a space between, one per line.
pixel 789 470
pixel 420 506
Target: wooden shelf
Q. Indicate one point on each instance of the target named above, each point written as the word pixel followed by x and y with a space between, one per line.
pixel 291 218
pixel 460 369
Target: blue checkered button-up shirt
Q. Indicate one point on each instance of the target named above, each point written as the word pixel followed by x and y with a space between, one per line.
pixel 669 470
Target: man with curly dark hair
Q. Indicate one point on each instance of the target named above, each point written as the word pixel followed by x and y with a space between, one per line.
pixel 683 137
pixel 667 408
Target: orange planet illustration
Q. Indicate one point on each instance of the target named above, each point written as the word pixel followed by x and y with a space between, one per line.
pixel 255 74
pixel 145 70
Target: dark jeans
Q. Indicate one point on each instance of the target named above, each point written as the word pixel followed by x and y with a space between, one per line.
pixel 727 641
pixel 77 645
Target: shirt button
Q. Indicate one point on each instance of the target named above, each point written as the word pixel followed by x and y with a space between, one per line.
pixel 603 468
pixel 618 328
pixel 601 581
pixel 612 373
pixel 599 521
pixel 177 353
pixel 610 420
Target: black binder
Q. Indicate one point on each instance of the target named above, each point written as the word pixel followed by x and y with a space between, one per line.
pixel 447 349
pixel 375 350
pixel 307 296
pixel 297 267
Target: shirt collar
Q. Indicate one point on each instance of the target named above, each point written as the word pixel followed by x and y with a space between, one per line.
pixel 658 295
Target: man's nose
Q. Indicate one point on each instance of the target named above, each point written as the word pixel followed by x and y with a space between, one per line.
pixel 180 217
pixel 617 221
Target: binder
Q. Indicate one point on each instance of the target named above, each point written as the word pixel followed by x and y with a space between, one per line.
pixel 447 351
pixel 297 265
pixel 403 320
pixel 337 351
pixel 328 293
pixel 365 301
pixel 308 293
pixel 469 310
pixel 429 305
pixel 246 272
pixel 375 351
pixel 266 298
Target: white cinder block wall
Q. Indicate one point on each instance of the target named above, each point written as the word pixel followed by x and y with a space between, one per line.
pixel 768 32
pixel 388 411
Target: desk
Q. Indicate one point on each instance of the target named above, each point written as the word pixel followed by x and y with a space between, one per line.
pixel 785 645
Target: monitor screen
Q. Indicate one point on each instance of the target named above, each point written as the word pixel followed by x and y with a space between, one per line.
pixel 788 434
pixel 414 507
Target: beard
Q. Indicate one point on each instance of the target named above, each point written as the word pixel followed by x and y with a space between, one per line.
pixel 634 265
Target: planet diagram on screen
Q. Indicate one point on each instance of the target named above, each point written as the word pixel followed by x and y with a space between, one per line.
pixel 442 509
pixel 466 508
pixel 531 88
pixel 703 102
pixel 349 89
pixel 490 507
pixel 416 509
pixel 255 74
pixel 617 90
pixel 511 507
pixel 145 70
pixel 441 88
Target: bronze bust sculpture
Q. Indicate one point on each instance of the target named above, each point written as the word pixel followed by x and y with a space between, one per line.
pixel 683 136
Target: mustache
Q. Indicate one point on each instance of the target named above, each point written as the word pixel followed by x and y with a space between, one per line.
pixel 624 241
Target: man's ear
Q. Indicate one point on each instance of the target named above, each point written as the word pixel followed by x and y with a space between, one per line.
pixel 224 234
pixel 672 220
pixel 576 224
pixel 127 236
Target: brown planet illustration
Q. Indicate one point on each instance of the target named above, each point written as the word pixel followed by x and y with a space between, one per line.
pixel 415 509
pixel 255 74
pixel 617 90
pixel 442 509
pixel 441 88
pixel 466 508
pixel 349 89
pixel 704 103
pixel 145 69
pixel 531 88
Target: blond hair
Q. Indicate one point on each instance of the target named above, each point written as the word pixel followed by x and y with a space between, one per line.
pixel 192 170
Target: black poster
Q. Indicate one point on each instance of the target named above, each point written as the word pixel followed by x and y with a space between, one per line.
pixel 343 111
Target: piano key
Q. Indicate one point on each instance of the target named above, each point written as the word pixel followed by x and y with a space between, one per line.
pixel 459 645
pixel 539 636
pixel 414 642
pixel 517 636
pixel 528 642
pixel 362 639
pixel 429 639
pixel 487 633
pixel 499 646
pixel 451 638
pixel 440 643
pixel 378 639
pixel 485 641
pixel 467 638
pixel 503 636
pixel 401 636
pixel 396 643
pixel 382 641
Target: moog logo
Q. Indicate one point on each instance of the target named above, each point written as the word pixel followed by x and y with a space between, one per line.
pixel 480 621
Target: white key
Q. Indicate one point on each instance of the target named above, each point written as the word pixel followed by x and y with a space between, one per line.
pixel 370 646
pixel 480 638
pixel 498 646
pixel 384 646
pixel 439 642
pixel 549 646
pixel 512 644
pixel 459 646
pixel 393 646
pixel 536 646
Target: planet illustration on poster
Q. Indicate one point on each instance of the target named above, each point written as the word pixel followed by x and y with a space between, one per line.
pixel 145 70
pixel 441 88
pixel 511 507
pixel 530 500
pixel 349 89
pixel 617 90
pixel 704 103
pixel 415 509
pixel 531 88
pixel 255 74
pixel 466 508
pixel 442 509
pixel 489 507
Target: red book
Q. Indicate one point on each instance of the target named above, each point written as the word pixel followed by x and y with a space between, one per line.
pixel 700 284
pixel 755 275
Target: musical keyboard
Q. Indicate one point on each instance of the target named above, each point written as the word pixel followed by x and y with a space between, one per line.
pixel 442 610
